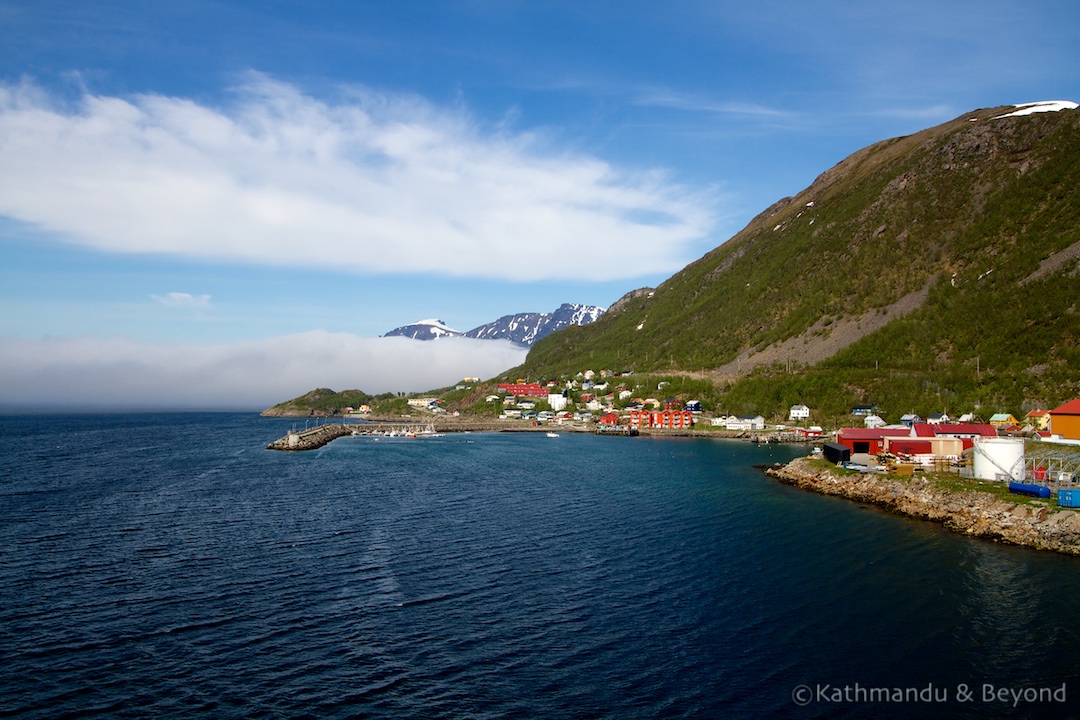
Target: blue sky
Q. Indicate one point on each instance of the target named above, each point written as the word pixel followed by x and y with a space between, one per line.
pixel 203 181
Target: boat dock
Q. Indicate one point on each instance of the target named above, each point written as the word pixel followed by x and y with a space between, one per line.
pixel 616 430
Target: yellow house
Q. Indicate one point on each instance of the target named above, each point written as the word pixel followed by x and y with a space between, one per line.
pixel 1038 419
pixel 1002 420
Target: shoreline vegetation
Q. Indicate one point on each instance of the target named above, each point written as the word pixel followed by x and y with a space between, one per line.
pixel 983 509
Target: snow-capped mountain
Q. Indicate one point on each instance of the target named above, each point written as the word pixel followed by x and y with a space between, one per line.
pixel 522 328
pixel 425 330
pixel 527 328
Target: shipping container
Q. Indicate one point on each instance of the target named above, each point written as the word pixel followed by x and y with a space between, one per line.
pixel 1069 498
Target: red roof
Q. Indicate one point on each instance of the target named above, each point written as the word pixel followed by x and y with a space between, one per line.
pixel 873 433
pixel 954 429
pixel 1070 408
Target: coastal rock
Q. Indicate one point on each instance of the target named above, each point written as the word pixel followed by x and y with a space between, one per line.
pixel 969 512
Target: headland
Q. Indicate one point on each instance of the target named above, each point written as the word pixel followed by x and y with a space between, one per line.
pixel 981 509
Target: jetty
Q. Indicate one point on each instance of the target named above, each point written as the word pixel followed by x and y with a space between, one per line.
pixel 310 438
pixel 617 430
pixel 316 437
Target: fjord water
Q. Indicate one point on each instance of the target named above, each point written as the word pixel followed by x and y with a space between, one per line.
pixel 171 566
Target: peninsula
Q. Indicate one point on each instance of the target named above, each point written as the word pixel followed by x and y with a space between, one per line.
pixel 983 509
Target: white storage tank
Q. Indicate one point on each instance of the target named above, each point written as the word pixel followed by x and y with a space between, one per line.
pixel 999 459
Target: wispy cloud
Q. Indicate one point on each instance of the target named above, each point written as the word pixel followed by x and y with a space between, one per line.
pixel 684 101
pixel 373 183
pixel 118 372
pixel 183 301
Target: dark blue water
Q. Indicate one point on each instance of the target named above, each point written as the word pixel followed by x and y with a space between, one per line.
pixel 170 566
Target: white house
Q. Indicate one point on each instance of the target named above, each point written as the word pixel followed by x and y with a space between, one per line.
pixel 799 412
pixel 557 401
pixel 746 423
pixel 874 421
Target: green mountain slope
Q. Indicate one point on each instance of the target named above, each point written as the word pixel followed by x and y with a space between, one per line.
pixel 934 271
pixel 320 402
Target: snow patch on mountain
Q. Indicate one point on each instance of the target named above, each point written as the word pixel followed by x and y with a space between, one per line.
pixel 527 328
pixel 431 329
pixel 1038 107
pixel 521 328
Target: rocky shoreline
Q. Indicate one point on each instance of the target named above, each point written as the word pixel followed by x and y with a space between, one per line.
pixel 1040 525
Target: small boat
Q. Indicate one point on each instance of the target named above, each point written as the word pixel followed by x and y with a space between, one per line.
pixel 553 434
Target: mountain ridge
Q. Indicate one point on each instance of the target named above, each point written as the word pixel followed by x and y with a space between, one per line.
pixel 521 328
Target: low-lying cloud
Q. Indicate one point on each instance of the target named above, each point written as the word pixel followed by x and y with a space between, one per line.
pixel 370 182
pixel 100 372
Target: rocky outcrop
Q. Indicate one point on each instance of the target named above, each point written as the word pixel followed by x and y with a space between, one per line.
pixel 970 512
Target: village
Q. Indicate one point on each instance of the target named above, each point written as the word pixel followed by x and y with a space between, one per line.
pixel 606 399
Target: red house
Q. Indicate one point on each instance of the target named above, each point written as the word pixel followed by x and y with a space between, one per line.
pixel 868 440
pixel 967 432
pixel 524 389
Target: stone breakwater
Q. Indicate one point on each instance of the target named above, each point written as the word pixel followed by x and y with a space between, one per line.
pixel 314 438
pixel 974 513
pixel 310 439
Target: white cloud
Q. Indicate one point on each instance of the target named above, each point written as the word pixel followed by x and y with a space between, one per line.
pixel 183 301
pixel 374 183
pixel 118 372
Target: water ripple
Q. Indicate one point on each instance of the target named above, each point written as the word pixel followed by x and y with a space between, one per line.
pixel 149 568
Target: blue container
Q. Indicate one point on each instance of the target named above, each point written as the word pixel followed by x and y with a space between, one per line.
pixel 1069 498
pixel 1027 489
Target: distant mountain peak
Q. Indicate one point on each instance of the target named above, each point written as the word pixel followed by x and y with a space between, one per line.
pixel 527 328
pixel 521 328
pixel 430 329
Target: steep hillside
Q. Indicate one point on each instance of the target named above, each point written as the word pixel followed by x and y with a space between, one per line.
pixel 934 270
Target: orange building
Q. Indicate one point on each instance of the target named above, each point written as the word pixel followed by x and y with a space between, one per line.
pixel 1065 420
pixel 672 419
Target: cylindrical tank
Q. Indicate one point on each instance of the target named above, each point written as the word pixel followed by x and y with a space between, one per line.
pixel 999 458
pixel 1039 491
